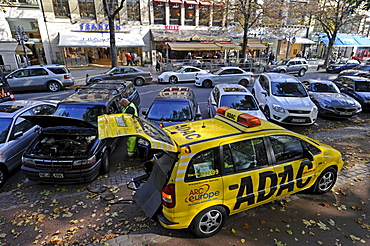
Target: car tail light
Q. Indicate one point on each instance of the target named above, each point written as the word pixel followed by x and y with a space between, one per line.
pixel 150 74
pixel 168 196
pixel 11 95
pixel 66 76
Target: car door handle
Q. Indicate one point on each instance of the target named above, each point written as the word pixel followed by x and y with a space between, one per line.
pixel 233 187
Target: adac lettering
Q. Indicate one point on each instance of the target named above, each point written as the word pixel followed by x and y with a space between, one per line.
pixel 201 194
pixel 286 183
pixel 187 132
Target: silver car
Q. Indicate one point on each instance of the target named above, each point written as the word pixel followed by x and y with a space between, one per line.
pixel 231 75
pixel 16 132
pixel 293 66
pixel 53 77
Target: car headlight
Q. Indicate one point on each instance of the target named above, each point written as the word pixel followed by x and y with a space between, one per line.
pixel 89 162
pixel 278 108
pixel 143 142
pixel 315 109
pixel 325 104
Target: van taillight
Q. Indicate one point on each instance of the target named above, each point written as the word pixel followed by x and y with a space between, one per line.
pixel 11 95
pixel 168 196
pixel 150 74
pixel 66 76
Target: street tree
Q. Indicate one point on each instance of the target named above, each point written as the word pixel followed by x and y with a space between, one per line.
pixel 111 10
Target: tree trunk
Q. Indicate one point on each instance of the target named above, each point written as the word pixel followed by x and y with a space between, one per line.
pixel 112 42
pixel 245 42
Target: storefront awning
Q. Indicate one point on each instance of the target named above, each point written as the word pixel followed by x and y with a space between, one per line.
pixel 205 3
pixel 193 46
pixel 229 46
pixel 256 46
pixel 191 2
pixel 299 40
pixel 346 40
pixel 95 39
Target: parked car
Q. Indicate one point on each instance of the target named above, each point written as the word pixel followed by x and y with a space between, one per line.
pixel 6 93
pixel 16 132
pixel 173 105
pixel 341 65
pixel 52 77
pixel 233 96
pixel 292 66
pixel 181 74
pixel 134 74
pixel 284 99
pixel 360 69
pixel 330 101
pixel 356 87
pixel 68 149
pixel 231 75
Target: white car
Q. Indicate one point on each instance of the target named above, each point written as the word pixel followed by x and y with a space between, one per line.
pixel 231 75
pixel 233 96
pixel 284 99
pixel 183 74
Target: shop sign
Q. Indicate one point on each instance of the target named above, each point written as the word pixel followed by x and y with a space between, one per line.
pixel 171 28
pixel 87 27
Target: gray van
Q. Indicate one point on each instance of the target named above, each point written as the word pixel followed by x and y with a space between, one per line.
pixel 293 66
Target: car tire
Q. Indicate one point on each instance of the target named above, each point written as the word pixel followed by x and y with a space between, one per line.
pixel 301 72
pixel 139 82
pixel 282 71
pixel 54 86
pixel 173 80
pixel 266 111
pixel 207 83
pixel 243 82
pixel 96 81
pixel 105 164
pixel 325 181
pixel 208 222
pixel 3 175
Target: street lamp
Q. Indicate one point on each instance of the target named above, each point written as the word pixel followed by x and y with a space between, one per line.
pixel 21 37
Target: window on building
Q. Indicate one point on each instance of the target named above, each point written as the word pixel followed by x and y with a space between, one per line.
pixel 218 13
pixel 159 13
pixel 61 8
pixel 190 15
pixel 175 14
pixel 113 3
pixel 204 15
pixel 87 8
pixel 133 10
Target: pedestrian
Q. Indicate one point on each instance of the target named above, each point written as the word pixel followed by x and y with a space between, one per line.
pixel 272 58
pixel 130 108
pixel 133 58
pixel 128 59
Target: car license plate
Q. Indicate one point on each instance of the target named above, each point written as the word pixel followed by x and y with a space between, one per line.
pixel 54 175
pixel 345 113
pixel 298 120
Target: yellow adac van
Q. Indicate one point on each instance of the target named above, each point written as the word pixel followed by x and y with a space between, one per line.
pixel 204 170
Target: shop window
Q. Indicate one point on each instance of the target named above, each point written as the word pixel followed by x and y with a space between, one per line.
pixel 159 13
pixel 87 8
pixel 218 13
pixel 133 10
pixel 204 15
pixel 61 8
pixel 175 14
pixel 190 15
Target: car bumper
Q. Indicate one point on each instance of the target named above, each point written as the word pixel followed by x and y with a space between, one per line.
pixel 69 83
pixel 340 113
pixel 294 118
pixel 62 176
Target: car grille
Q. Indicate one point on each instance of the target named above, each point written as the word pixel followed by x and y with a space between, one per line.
pixel 345 109
pixel 53 164
pixel 298 111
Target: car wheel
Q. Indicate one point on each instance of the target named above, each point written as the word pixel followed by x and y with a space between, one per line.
pixel 208 222
pixel 139 81
pixel 54 86
pixel 173 80
pixel 104 167
pixel 302 72
pixel 243 82
pixel 281 71
pixel 97 81
pixel 2 176
pixel 207 84
pixel 325 181
pixel 266 111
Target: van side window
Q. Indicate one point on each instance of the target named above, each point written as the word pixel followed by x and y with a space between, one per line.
pixel 205 164
pixel 286 148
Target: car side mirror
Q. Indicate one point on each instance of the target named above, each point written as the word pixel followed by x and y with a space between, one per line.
pixel 87 75
pixel 264 92
pixel 144 112
pixel 198 115
pixel 9 77
pixel 111 74
pixel 288 64
pixel 18 134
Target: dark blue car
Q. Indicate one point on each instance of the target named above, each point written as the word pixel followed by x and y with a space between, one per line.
pixel 341 65
pixel 356 87
pixel 356 71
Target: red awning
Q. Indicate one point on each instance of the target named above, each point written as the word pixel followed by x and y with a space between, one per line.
pixel 191 2
pixel 205 3
pixel 176 1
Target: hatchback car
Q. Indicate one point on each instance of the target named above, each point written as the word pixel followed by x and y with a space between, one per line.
pixel 293 66
pixel 52 77
pixel 16 132
pixel 341 65
pixel 231 75
pixel 360 69
pixel 284 99
pixel 173 105
pixel 136 75
pixel 356 87
pixel 330 101
pixel 203 171
pixel 233 96
pixel 181 74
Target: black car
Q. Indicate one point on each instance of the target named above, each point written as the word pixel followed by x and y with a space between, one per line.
pixel 356 87
pixel 360 69
pixel 67 149
pixel 137 76
pixel 341 65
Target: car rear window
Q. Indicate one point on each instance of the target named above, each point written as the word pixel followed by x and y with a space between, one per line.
pixel 58 70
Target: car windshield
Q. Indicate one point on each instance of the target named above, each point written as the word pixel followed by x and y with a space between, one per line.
pixel 4 128
pixel 362 86
pixel 178 70
pixel 324 87
pixel 170 111
pixel 85 112
pixel 288 89
pixel 282 62
pixel 240 102
pixel 154 131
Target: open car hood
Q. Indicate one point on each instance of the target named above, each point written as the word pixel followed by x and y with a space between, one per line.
pixel 122 125
pixel 54 121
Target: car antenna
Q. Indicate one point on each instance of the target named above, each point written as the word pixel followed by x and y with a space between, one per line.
pixel 203 126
